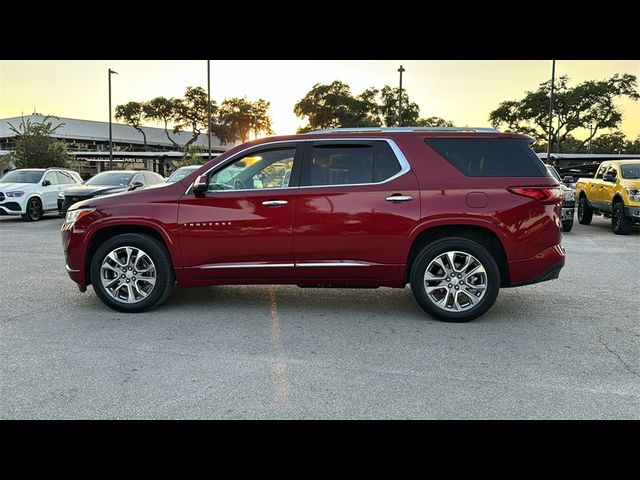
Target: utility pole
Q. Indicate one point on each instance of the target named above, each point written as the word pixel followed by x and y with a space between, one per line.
pixel 401 70
pixel 209 106
pixel 110 130
pixel 553 79
pixel 255 126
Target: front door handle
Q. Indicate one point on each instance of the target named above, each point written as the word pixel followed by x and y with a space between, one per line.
pixel 399 198
pixel 274 203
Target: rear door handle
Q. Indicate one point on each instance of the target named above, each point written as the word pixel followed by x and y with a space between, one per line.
pixel 274 203
pixel 399 198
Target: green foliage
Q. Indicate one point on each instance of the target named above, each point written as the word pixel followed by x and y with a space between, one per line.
pixel 238 117
pixel 161 110
pixel 132 114
pixel 611 143
pixel 190 157
pixel 191 111
pixel 334 106
pixel 589 105
pixel 35 146
pixel 633 146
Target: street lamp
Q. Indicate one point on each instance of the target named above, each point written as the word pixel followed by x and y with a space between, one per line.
pixel 553 78
pixel 209 107
pixel 110 132
pixel 401 70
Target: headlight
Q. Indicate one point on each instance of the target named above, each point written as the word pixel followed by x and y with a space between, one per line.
pixel 634 194
pixel 14 194
pixel 61 195
pixel 569 196
pixel 74 215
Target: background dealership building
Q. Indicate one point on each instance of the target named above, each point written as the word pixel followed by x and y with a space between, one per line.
pixel 88 142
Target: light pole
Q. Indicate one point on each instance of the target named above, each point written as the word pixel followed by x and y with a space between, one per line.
pixel 553 78
pixel 209 106
pixel 590 135
pixel 401 70
pixel 110 131
pixel 255 126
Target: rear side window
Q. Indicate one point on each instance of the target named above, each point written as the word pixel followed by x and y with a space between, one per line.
pixel 490 157
pixel 350 164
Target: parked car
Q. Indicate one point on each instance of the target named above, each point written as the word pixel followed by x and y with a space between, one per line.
pixel 614 192
pixel 182 172
pixel 106 183
pixel 569 203
pixel 456 213
pixel 32 192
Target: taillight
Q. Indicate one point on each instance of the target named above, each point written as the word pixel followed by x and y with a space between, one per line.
pixel 545 195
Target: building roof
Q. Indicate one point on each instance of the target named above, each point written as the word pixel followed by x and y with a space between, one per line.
pixel 590 156
pixel 93 130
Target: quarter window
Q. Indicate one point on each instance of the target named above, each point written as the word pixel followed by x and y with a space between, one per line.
pixel 262 169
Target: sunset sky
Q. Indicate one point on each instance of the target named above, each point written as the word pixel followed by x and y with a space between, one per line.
pixel 461 91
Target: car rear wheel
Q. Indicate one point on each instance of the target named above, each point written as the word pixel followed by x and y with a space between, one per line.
pixel 132 273
pixel 34 210
pixel 455 279
pixel 619 222
pixel 585 212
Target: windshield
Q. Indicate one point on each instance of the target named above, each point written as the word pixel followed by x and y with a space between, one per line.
pixel 631 171
pixel 110 178
pixel 22 176
pixel 554 173
pixel 181 173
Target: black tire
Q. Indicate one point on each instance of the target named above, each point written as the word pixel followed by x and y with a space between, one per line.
pixel 34 210
pixel 585 212
pixel 567 225
pixel 163 271
pixel 430 253
pixel 620 223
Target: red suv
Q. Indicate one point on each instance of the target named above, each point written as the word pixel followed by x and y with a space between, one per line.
pixel 457 213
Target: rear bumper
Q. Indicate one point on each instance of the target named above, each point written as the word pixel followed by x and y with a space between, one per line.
pixel 544 266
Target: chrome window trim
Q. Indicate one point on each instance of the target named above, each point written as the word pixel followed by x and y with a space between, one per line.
pixel 404 163
pixel 333 264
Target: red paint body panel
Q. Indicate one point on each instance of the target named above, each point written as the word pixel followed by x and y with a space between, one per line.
pixel 353 224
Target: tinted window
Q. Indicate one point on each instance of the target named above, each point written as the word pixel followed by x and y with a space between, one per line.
pixel 490 157
pixel 22 176
pixel 554 173
pixel 262 169
pixel 350 164
pixel 110 178
pixel 631 171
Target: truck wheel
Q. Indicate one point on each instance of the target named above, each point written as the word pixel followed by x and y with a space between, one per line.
pixel 620 223
pixel 455 279
pixel 585 212
pixel 567 225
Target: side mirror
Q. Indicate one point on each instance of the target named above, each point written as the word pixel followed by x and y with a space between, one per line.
pixel 135 185
pixel 200 185
pixel 609 178
pixel 46 183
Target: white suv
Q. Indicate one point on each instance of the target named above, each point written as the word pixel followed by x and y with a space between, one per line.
pixel 32 192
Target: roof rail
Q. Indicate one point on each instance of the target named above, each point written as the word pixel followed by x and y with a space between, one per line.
pixel 405 129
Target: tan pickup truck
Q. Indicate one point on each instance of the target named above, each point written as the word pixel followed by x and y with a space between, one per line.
pixel 614 192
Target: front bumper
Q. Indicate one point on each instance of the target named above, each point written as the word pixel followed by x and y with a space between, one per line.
pixel 632 212
pixel 11 208
pixel 566 214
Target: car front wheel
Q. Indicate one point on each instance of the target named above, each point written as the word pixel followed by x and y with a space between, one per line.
pixel 619 222
pixel 132 273
pixel 455 279
pixel 34 210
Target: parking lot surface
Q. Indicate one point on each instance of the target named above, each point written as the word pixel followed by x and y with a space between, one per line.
pixel 568 348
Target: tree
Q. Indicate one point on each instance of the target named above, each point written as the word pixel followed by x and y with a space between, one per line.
pixel 433 122
pixel 390 111
pixel 589 105
pixel 238 117
pixel 191 111
pixel 610 143
pixel 35 146
pixel 633 146
pixel 132 114
pixel 162 110
pixel 190 156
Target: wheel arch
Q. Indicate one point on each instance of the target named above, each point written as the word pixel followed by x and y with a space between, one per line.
pixel 480 234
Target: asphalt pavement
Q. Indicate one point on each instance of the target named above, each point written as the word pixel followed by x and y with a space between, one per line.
pixel 564 349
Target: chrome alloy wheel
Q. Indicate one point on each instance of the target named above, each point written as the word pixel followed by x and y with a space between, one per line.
pixel 128 274
pixel 455 281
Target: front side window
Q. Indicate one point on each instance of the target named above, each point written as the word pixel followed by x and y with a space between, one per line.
pixel 51 177
pixel 601 171
pixel 350 164
pixel 263 169
pixel 65 178
pixel 612 171
pixel 138 178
